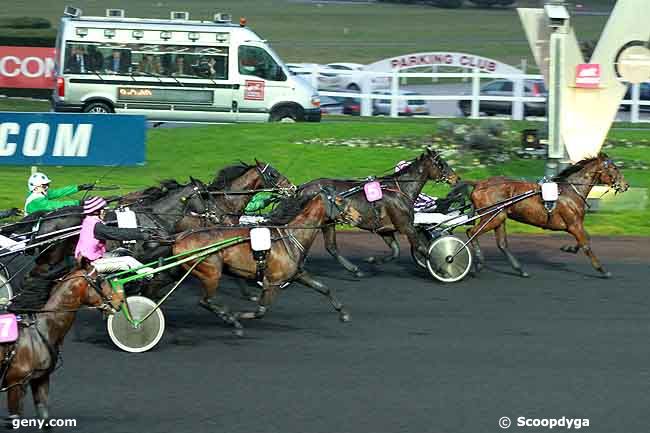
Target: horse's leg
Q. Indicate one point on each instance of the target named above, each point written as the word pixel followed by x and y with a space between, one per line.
pixel 476 246
pixel 15 401
pixel 267 298
pixel 210 275
pixel 484 225
pixel 321 288
pixel 502 243
pixel 573 249
pixel 40 393
pixel 329 236
pixel 582 237
pixel 391 241
pixel 245 290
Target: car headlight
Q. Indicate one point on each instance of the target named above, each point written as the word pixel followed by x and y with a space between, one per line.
pixel 315 100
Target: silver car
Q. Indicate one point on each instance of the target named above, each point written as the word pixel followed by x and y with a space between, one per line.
pixel 405 107
pixel 502 87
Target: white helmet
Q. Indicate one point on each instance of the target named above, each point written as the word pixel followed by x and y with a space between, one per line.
pixel 37 179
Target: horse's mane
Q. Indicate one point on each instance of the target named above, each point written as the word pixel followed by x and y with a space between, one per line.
pixel 289 208
pixel 154 193
pixel 572 169
pixel 419 158
pixel 228 174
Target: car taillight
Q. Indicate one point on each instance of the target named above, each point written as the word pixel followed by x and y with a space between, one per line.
pixel 407 109
pixel 60 86
pixel 536 91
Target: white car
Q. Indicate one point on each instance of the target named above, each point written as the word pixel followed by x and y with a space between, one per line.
pixel 326 81
pixel 353 81
pixel 405 107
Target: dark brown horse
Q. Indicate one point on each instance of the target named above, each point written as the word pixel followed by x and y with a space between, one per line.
pixel 297 224
pixel 394 212
pixel 574 184
pixel 36 350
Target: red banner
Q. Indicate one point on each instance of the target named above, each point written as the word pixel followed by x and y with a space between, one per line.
pixel 27 67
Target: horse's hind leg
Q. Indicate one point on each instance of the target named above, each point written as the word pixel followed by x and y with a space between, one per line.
pixel 321 288
pixel 581 236
pixel 329 236
pixel 15 401
pixel 502 243
pixel 267 298
pixel 391 241
pixel 210 274
pixel 40 393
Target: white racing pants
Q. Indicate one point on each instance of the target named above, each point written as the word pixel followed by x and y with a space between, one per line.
pixel 107 265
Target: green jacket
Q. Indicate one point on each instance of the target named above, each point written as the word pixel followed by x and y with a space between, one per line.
pixel 259 202
pixel 40 202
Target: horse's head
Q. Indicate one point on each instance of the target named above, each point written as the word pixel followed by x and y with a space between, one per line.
pixel 270 177
pixel 610 175
pixel 197 198
pixel 79 289
pixel 437 168
pixel 338 208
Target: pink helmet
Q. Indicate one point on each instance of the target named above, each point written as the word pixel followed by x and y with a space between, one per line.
pixel 402 164
pixel 94 204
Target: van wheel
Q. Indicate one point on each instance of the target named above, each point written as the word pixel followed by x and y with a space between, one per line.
pixel 98 108
pixel 285 115
pixel 354 87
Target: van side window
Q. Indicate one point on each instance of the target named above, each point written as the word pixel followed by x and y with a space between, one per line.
pixel 257 62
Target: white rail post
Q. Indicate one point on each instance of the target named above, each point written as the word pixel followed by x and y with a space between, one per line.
pixel 476 91
pixel 634 108
pixel 434 69
pixel 394 91
pixel 366 100
pixel 518 103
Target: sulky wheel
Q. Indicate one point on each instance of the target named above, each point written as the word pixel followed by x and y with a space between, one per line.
pixel 6 293
pixel 144 336
pixel 444 264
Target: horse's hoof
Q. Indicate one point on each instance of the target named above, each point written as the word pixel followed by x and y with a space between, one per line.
pixel 371 260
pixel 524 274
pixel 360 274
pixel 607 274
pixel 253 298
pixel 344 316
pixel 238 332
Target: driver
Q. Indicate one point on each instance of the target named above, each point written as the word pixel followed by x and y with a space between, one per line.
pixel 42 198
pixel 91 246
pixel 423 201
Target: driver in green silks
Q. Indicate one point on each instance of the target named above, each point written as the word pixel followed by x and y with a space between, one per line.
pixel 42 198
pixel 261 201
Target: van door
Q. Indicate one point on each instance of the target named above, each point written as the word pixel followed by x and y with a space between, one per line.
pixel 262 83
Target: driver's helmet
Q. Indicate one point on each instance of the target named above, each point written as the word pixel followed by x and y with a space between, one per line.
pixel 401 165
pixel 37 179
pixel 93 205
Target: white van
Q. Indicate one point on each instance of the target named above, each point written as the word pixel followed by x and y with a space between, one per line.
pixel 175 70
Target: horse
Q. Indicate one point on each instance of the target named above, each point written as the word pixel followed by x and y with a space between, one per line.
pixel 239 177
pixel 294 223
pixel 394 212
pixel 32 358
pixel 574 184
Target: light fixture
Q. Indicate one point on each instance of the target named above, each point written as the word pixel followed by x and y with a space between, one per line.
pixel 193 36
pixel 165 35
pixel 82 31
pixel 222 37
pixel 69 11
pixel 115 13
pixel 109 33
pixel 222 18
pixel 180 15
pixel 138 34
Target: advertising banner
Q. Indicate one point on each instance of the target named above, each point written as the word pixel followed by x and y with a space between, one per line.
pixel 71 139
pixel 27 67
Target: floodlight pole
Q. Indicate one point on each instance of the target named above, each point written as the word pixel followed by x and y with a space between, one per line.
pixel 557 155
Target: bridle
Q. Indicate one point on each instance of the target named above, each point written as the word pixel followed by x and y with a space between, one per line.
pixel 271 177
pixel 200 191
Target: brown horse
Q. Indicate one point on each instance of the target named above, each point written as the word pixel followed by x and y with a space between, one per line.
pixel 296 222
pixel 33 357
pixel 394 212
pixel 574 183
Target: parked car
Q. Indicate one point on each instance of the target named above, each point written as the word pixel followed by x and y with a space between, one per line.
pixel 405 107
pixel 503 87
pixel 326 81
pixel 353 81
pixel 644 96
pixel 330 105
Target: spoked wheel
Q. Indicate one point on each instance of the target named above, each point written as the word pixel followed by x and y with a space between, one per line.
pixel 141 337
pixel 6 293
pixel 444 264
